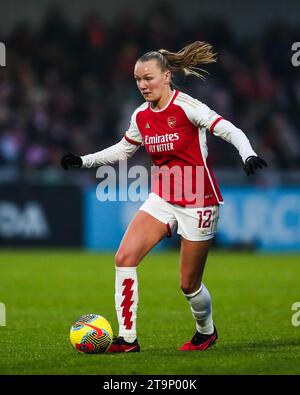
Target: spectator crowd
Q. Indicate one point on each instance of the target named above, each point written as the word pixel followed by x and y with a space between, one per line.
pixel 70 88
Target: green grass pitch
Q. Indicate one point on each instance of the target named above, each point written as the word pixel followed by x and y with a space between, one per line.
pixel 44 292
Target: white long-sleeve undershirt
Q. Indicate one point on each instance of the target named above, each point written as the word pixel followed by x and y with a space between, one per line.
pixel 120 151
pixel 230 133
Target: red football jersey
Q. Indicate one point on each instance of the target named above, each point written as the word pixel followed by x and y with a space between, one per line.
pixel 175 138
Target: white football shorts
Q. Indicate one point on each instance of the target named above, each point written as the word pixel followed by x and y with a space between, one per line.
pixel 195 224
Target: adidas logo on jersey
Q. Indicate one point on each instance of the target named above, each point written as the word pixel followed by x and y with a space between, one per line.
pixel 147 126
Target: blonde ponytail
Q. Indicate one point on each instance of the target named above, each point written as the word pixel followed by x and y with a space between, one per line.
pixel 186 60
pixel 190 57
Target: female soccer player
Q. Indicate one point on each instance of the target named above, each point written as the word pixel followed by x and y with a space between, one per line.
pixel 172 127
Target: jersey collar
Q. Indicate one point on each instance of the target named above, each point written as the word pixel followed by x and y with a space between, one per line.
pixel 175 93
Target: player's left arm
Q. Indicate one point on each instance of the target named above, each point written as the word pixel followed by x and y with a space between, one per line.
pixel 220 127
pixel 230 133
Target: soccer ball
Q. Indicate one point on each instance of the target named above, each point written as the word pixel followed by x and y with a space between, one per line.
pixel 91 334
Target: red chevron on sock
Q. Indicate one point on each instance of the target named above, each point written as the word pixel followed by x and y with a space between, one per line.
pixel 127 302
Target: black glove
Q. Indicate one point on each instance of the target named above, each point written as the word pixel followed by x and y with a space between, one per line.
pixel 71 160
pixel 252 163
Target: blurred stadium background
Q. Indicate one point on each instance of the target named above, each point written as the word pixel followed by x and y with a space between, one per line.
pixel 68 86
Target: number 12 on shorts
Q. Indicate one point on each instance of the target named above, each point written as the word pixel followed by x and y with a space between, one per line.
pixel 208 218
pixel 204 218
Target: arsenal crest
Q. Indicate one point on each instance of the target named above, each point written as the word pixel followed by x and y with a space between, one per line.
pixel 171 122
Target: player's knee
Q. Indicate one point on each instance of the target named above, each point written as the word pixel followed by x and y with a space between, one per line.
pixel 189 286
pixel 125 259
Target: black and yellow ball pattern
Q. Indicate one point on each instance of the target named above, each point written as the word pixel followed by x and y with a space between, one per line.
pixel 91 334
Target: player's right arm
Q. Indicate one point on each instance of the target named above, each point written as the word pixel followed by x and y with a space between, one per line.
pixel 124 149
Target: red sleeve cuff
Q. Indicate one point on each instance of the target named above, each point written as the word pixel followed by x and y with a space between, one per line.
pixel 211 129
pixel 132 141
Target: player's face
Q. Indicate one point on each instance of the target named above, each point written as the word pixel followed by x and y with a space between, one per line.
pixel 152 82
